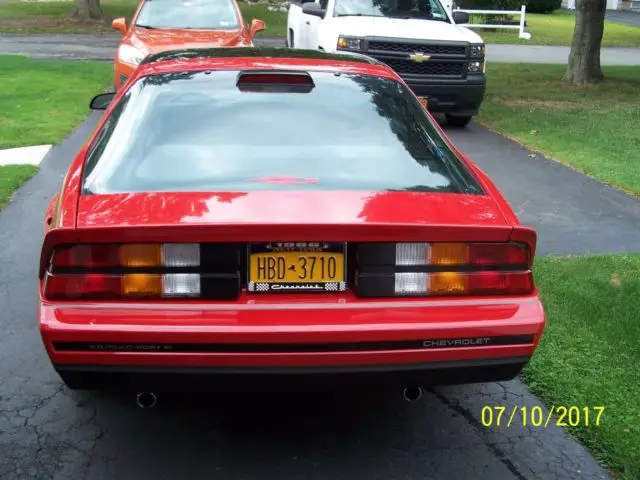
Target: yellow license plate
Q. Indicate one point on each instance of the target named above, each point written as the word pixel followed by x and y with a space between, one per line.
pixel 298 270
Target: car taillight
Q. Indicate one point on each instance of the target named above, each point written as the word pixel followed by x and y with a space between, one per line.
pixel 444 268
pixel 142 271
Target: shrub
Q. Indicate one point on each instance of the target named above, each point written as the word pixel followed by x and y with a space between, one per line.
pixel 543 6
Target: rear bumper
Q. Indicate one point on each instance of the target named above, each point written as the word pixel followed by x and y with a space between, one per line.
pixel 206 379
pixel 423 342
pixel 460 97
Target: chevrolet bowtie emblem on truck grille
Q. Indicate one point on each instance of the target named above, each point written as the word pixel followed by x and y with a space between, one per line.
pixel 419 57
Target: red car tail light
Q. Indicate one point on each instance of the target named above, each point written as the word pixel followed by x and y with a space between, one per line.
pixel 91 286
pixel 435 269
pixel 454 253
pixel 88 256
pixel 141 271
pixel 128 255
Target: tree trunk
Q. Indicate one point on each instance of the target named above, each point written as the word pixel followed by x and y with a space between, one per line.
pixel 88 10
pixel 584 59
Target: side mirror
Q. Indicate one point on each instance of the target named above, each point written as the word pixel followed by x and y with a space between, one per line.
pixel 314 9
pixel 460 17
pixel 119 24
pixel 101 101
pixel 257 26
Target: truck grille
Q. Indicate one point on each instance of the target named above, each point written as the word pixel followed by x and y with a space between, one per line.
pixel 417 47
pixel 447 59
pixel 408 67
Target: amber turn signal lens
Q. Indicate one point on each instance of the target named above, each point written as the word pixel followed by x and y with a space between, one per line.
pixel 448 282
pixel 449 254
pixel 142 285
pixel 141 255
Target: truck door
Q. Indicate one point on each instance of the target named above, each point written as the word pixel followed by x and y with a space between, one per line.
pixel 296 27
pixel 314 26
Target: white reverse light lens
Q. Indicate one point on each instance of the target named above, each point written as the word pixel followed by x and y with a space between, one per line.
pixel 130 55
pixel 181 255
pixel 408 283
pixel 181 285
pixel 412 253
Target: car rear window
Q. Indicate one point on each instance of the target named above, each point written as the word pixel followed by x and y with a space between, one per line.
pixel 198 131
pixel 188 14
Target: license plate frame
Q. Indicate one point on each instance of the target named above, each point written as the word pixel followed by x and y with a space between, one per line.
pixel 255 285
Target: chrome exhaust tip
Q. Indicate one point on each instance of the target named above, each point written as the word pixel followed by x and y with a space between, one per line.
pixel 146 399
pixel 411 394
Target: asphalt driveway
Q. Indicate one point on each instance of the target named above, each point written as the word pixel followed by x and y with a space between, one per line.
pixel 624 16
pixel 102 47
pixel 47 431
pixel 572 213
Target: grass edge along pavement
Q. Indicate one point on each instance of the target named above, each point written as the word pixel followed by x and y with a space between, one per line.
pixel 589 352
pixel 593 130
pixel 42 102
pixel 11 178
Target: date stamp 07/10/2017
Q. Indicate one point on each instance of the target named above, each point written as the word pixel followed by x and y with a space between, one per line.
pixel 558 416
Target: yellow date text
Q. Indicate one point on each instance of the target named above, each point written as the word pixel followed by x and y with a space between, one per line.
pixel 537 416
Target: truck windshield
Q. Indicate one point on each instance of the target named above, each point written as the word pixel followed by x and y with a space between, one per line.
pixel 424 9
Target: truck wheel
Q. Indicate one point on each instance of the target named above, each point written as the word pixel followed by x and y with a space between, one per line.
pixel 458 120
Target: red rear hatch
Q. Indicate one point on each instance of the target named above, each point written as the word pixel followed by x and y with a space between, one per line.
pixel 292 215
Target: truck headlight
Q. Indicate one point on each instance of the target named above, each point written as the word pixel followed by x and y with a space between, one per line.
pixel 476 50
pixel 130 55
pixel 475 67
pixel 349 43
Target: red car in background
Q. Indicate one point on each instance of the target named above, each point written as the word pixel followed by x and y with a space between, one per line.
pixel 242 216
pixel 161 25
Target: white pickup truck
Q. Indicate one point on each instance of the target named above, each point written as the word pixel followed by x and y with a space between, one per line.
pixel 441 61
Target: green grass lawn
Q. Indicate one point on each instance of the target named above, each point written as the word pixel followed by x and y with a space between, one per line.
pixel 594 129
pixel 557 29
pixel 590 352
pixel 53 17
pixel 41 102
pixel 11 177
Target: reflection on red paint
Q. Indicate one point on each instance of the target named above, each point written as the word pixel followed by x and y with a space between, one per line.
pixel 284 180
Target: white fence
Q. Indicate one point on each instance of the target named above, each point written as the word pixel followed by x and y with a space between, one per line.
pixel 520 27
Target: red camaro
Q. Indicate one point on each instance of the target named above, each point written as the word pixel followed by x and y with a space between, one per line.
pixel 242 216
